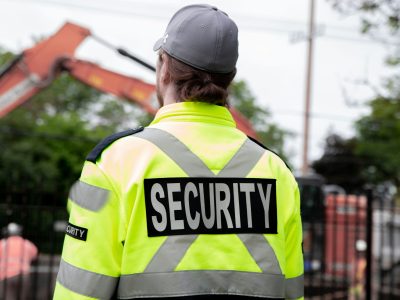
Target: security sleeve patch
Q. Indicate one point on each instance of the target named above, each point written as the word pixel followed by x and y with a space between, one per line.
pixel 176 206
pixel 76 232
pixel 96 152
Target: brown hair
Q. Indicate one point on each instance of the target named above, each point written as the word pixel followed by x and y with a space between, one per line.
pixel 196 85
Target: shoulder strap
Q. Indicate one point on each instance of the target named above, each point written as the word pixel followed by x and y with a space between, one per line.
pixel 96 152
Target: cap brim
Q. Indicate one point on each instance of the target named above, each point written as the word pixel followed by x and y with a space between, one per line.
pixel 158 44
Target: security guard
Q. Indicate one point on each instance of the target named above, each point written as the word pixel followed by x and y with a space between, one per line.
pixel 188 207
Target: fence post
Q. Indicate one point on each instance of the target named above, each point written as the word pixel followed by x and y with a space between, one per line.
pixel 369 256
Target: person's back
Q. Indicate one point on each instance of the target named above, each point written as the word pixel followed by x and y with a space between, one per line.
pixel 219 167
pixel 189 206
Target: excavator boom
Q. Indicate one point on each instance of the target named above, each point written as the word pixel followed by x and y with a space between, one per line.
pixel 33 70
pixel 119 85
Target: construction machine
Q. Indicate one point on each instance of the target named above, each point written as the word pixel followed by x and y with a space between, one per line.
pixel 36 68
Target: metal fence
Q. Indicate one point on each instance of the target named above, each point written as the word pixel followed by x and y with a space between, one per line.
pixel 386 250
pixel 43 225
pixel 351 244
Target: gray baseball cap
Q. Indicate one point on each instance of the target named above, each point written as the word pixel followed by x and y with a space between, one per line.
pixel 203 37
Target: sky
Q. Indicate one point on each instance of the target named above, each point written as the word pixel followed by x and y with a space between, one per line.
pixel 272 53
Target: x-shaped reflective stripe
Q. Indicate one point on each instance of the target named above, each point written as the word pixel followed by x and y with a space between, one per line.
pixel 243 161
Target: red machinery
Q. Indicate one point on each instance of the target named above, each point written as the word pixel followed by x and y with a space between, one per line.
pixel 345 227
pixel 37 67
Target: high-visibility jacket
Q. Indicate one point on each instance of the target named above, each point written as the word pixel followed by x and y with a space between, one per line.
pixel 187 206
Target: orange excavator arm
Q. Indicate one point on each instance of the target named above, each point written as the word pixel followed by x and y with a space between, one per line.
pixel 37 67
pixel 34 69
pixel 106 81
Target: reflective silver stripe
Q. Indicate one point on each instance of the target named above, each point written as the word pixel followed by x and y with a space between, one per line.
pixel 192 165
pixel 262 252
pixel 85 282
pixel 294 287
pixel 170 253
pixel 186 283
pixel 243 161
pixel 88 196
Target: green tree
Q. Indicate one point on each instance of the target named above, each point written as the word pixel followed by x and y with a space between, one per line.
pixel 5 57
pixel 340 163
pixel 377 133
pixel 372 156
pixel 379 141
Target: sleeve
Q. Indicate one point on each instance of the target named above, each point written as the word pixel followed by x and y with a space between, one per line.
pixel 92 251
pixel 294 254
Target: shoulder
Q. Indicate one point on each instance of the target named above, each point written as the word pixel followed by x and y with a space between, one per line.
pixel 271 151
pixel 100 147
pixel 280 168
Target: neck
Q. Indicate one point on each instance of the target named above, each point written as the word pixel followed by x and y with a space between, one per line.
pixel 170 95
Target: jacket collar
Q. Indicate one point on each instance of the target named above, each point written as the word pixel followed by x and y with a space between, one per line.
pixel 194 112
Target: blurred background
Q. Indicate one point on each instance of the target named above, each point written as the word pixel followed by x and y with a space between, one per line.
pixel 319 81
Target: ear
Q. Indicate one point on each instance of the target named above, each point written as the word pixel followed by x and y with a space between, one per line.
pixel 164 72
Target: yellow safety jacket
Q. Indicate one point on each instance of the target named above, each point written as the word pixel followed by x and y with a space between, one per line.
pixel 187 206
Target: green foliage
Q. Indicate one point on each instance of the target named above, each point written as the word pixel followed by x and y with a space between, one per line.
pixel 269 133
pixel 340 164
pixel 5 57
pixel 377 133
pixel 372 156
pixel 379 143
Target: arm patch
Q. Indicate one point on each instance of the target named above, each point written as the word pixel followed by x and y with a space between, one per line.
pixel 96 152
